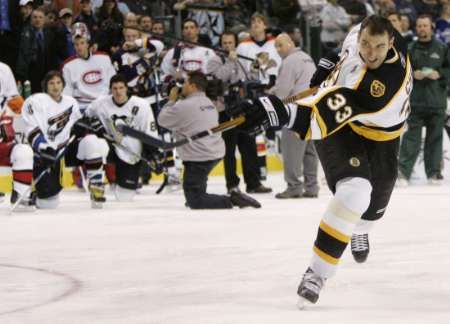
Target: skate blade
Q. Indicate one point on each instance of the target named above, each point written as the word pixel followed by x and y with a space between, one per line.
pixel 24 209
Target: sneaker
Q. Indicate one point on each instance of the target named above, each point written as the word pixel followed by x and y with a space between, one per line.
pixel 436 179
pixel 260 189
pixel 242 200
pixel 97 195
pixel 402 181
pixel 310 287
pixel 289 194
pixel 27 204
pixel 360 247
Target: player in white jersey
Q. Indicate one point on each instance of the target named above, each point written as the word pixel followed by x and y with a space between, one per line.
pixel 119 108
pixel 18 156
pixel 261 48
pixel 86 74
pixel 185 58
pixel 357 117
pixel 49 117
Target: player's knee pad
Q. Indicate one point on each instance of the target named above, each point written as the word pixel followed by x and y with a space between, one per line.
pixel 22 157
pixel 47 203
pixel 92 147
pixel 123 194
pixel 354 194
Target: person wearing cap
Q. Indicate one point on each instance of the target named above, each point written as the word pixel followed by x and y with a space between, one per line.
pixel 65 30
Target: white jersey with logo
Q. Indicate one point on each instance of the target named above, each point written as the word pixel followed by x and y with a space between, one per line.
pixel 136 113
pixel 53 119
pixel 191 59
pixel 8 87
pixel 86 80
pixel 251 49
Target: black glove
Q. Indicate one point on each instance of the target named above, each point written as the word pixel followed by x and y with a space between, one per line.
pixel 47 155
pixel 262 113
pixel 154 158
pixel 324 68
pixel 97 126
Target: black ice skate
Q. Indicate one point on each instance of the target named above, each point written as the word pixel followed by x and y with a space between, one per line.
pixel 97 195
pixel 360 247
pixel 242 200
pixel 309 288
pixel 26 204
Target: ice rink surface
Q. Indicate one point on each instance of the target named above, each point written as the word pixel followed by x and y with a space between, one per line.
pixel 154 261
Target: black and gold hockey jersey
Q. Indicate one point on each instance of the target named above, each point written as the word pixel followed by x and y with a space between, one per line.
pixel 374 103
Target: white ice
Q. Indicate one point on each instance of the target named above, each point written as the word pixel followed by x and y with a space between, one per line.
pixel 154 261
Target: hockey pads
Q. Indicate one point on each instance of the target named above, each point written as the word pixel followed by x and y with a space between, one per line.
pixel 262 113
pixel 154 158
pixel 47 155
pixel 324 68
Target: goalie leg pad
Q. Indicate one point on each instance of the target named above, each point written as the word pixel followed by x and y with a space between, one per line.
pixel 22 167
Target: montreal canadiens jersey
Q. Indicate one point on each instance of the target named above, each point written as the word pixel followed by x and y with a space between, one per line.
pixel 266 52
pixel 374 103
pixel 88 79
pixel 53 119
pixel 191 59
pixel 136 113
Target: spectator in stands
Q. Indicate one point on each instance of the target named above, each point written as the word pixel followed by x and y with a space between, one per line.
pixel 383 7
pixel 394 18
pixel 26 8
pixel 39 51
pixel 110 21
pixel 430 60
pixel 73 5
pixel 356 9
pixel 429 7
pixel 406 32
pixel 158 27
pixel 442 28
pixel 131 20
pixel 87 17
pixel 335 24
pixel 139 7
pixel 51 18
pixel 211 22
pixel 406 7
pixel 65 30
pixel 145 23
pixel 10 25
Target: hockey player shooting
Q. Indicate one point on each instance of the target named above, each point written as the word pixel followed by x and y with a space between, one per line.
pixel 357 117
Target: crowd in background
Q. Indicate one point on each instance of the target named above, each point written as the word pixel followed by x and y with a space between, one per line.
pixel 36 35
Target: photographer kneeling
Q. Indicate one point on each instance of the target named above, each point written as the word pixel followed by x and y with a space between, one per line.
pixel 186 117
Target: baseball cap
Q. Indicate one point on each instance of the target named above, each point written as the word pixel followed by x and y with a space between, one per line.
pixel 65 11
pixel 25 2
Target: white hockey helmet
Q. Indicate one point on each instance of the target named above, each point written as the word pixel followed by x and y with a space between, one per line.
pixel 80 29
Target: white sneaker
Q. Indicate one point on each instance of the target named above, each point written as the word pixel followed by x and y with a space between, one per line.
pixel 436 180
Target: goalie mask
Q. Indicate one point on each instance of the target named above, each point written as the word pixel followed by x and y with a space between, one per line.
pixel 80 30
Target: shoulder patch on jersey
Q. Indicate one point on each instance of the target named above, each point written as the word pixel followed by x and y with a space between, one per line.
pixel 377 89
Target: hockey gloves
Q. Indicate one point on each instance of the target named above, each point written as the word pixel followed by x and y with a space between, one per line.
pixel 47 155
pixel 154 158
pixel 97 126
pixel 324 68
pixel 262 113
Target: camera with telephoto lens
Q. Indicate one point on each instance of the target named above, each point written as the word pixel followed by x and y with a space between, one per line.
pixel 215 88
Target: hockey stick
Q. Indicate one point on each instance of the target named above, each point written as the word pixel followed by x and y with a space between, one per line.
pixel 223 127
pixel 42 174
pixel 128 150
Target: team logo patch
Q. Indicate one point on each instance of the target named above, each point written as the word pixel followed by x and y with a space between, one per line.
pixel 354 162
pixel 377 89
pixel 92 77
